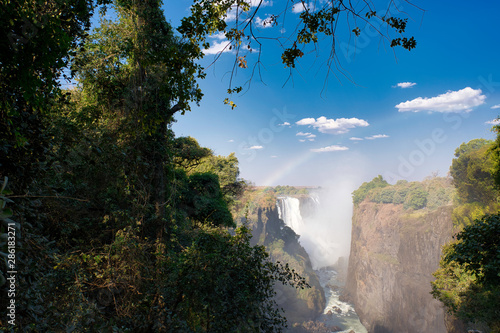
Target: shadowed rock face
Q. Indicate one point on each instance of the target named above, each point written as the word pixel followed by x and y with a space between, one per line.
pixel 393 256
pixel 299 305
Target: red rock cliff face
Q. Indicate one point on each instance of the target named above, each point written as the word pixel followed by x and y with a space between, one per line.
pixel 393 256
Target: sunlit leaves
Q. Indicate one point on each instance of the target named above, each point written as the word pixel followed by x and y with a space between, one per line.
pixel 242 62
pixel 469 276
pixel 234 19
pixel 230 103
pixel 290 55
pixel 219 267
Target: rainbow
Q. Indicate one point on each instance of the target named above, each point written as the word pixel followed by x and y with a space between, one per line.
pixel 273 179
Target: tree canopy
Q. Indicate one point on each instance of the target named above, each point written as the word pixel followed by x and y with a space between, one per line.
pixel 469 277
pixel 324 22
pixel 467 281
pixel 124 226
pixel 471 170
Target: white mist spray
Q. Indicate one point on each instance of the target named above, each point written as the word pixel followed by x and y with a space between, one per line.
pixel 326 232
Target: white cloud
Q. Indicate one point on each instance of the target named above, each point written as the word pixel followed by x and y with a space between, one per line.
pixel 355 139
pixel 274 156
pixel 310 136
pixel 231 140
pixel 255 3
pixel 451 101
pixel 302 134
pixel 329 149
pixel 493 122
pixel 333 126
pixel 311 139
pixel 377 136
pixel 306 121
pixel 231 15
pixel 496 106
pixel 268 22
pixel 223 46
pixel 219 35
pixel 217 47
pixel 302 140
pixel 299 7
pixel 286 123
pixel 256 147
pixel 404 85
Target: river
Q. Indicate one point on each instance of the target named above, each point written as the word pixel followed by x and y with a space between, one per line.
pixel 337 313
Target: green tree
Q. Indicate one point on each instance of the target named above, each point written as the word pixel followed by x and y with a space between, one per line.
pixel 226 168
pixel 495 155
pixel 226 285
pixel 237 19
pixel 204 200
pixel 189 153
pixel 134 75
pixel 468 281
pixel 416 198
pixel 362 192
pixel 401 192
pixel 471 170
pixel 37 39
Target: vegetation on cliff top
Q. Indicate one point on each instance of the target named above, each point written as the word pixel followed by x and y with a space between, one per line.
pixel 430 193
pixel 468 280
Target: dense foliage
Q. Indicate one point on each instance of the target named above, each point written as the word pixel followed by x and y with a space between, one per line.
pixel 430 194
pixel 290 190
pixel 361 193
pixel 124 226
pixel 467 281
pixel 318 24
pixel 36 42
pixel 472 172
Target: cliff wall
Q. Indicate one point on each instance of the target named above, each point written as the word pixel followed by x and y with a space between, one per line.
pixel 393 255
pixel 281 242
pixel 257 209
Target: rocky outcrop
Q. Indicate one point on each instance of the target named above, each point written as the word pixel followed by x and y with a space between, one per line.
pixel 299 305
pixel 393 255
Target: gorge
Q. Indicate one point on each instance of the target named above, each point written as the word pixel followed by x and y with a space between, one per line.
pixel 393 252
pixel 326 243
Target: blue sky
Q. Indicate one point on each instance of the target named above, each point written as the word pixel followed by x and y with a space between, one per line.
pixel 402 115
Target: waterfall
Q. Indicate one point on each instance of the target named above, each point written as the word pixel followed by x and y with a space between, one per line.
pixel 289 212
pixel 317 226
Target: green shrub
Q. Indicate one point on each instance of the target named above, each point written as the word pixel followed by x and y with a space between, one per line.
pixel 362 192
pixel 416 198
pixel 382 194
pixel 387 195
pixel 400 195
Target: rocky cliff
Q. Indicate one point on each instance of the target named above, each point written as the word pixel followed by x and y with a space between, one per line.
pixel 257 209
pixel 393 255
pixel 300 305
